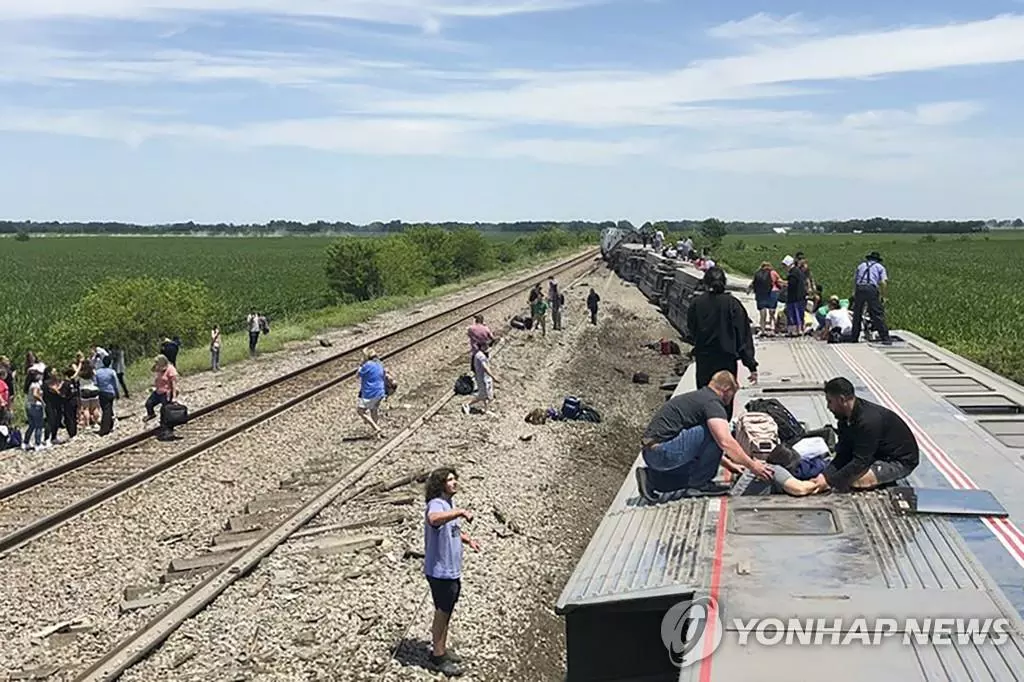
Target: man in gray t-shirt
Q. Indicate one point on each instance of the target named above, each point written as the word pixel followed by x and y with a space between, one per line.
pixel 684 443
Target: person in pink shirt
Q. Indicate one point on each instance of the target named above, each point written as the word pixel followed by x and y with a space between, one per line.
pixel 165 386
pixel 480 337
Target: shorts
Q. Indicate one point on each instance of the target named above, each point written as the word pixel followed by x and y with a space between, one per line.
pixel 769 302
pixel 369 403
pixel 890 472
pixel 445 593
pixel 486 390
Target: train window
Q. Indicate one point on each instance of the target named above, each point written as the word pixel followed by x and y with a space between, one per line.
pixel 985 404
pixel 1009 432
pixel 955 385
pixel 932 369
pixel 783 521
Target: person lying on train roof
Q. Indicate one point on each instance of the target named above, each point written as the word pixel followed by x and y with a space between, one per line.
pixel 685 442
pixel 875 448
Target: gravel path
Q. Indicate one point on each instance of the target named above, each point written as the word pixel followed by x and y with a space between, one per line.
pixel 78 572
pixel 208 387
pixel 365 615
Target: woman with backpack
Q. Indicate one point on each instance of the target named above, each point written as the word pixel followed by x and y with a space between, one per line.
pixel 765 287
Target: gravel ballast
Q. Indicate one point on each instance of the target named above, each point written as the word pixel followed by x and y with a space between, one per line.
pixel 78 572
pixel 537 493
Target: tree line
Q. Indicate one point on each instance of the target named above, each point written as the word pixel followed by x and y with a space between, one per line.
pixel 321 227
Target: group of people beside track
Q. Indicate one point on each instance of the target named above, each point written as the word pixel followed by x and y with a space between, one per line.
pixel 77 397
pixel 81 395
pixel 837 320
pixel 690 437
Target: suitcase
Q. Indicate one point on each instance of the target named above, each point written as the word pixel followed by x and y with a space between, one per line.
pixel 173 414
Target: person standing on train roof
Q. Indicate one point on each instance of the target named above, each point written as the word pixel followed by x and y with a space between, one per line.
pixel 720 331
pixel 765 286
pixel 875 448
pixel 796 296
pixel 870 285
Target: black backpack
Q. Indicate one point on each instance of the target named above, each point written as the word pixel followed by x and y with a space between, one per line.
pixel 790 430
pixel 464 385
pixel 762 283
pixel 589 414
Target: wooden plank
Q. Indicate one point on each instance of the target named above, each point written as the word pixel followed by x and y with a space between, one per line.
pixel 339 545
pixel 269 502
pixel 382 520
pixel 255 521
pixel 203 561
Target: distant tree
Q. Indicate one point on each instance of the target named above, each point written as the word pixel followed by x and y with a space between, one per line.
pixel 21 236
pixel 1018 223
pixel 625 225
pixel 713 231
pixel 352 268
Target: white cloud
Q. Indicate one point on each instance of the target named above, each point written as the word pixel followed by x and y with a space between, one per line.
pixel 652 99
pixel 931 114
pixel 763 25
pixel 407 12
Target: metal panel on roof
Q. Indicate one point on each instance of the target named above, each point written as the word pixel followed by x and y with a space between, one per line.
pixel 641 550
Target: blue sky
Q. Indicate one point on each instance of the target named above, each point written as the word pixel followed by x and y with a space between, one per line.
pixel 361 110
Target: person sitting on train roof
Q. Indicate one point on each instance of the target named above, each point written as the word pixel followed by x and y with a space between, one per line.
pixel 684 444
pixel 838 324
pixel 875 448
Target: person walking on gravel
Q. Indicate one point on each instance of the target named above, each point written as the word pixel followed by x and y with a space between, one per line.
pixel 539 313
pixel 592 300
pixel 442 541
pixel 555 301
pixel 484 382
pixel 106 383
pixel 372 389
pixel 480 336
pixel 257 324
pixel 165 386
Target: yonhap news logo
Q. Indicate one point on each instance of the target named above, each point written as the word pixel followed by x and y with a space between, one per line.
pixel 691 631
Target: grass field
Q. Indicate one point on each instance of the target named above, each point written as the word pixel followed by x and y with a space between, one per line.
pixel 282 277
pixel 962 292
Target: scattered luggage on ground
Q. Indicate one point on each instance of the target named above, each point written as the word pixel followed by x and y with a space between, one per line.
pixel 465 385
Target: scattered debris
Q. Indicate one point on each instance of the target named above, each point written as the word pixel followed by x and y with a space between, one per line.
pixel 76 625
pixel 641 378
pixel 183 658
pixel 172 538
pixel 324 343
pixel 526 437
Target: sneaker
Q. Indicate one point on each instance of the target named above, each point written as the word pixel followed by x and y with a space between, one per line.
pixel 452 656
pixel 643 486
pixel 445 666
pixel 710 489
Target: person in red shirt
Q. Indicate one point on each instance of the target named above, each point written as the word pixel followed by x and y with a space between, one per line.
pixel 480 337
pixel 5 397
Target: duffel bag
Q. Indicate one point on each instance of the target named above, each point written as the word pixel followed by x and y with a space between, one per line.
pixel 173 414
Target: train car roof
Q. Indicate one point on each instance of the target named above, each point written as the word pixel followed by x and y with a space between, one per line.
pixel 840 555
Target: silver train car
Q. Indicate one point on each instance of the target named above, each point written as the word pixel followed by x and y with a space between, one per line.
pixel 670 284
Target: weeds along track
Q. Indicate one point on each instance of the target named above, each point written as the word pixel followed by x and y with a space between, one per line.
pixel 36 505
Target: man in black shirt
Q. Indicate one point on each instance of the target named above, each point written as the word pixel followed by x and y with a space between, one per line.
pixel 720 331
pixel 796 298
pixel 876 447
pixel 684 443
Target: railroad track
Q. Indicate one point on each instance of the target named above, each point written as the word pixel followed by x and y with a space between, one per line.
pixel 344 488
pixel 38 504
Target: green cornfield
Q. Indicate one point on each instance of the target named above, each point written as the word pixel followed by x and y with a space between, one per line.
pixel 962 292
pixel 45 277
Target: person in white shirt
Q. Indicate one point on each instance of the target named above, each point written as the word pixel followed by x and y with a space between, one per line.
pixel 838 323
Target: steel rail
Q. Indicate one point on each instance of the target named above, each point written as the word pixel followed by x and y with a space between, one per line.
pixel 49 522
